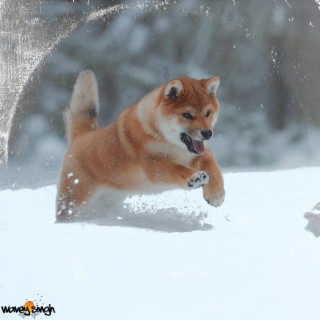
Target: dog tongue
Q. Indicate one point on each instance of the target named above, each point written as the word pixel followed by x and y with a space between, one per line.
pixel 198 146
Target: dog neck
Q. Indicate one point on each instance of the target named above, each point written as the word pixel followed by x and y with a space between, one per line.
pixel 146 114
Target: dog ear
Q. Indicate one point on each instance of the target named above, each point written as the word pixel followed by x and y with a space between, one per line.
pixel 213 85
pixel 173 90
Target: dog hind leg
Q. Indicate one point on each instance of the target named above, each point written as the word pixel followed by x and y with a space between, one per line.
pixel 73 192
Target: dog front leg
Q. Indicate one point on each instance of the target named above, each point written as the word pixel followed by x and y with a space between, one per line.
pixel 213 192
pixel 163 171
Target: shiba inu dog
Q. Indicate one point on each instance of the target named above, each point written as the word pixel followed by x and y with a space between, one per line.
pixel 157 144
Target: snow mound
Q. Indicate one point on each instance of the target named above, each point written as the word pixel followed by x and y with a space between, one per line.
pixel 313 218
pixel 250 259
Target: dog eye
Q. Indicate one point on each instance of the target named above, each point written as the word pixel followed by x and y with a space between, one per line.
pixel 187 115
pixel 208 113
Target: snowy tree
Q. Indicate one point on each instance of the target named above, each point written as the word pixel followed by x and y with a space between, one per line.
pixel 265 53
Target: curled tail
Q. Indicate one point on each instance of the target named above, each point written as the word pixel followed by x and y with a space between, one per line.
pixel 81 115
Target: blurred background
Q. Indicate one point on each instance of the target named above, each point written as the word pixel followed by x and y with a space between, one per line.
pixel 265 52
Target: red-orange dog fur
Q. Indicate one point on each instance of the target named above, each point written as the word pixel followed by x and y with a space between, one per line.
pixel 156 144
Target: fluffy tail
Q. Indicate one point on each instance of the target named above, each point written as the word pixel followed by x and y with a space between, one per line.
pixel 81 115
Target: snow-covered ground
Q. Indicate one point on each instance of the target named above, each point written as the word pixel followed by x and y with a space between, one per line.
pixel 169 256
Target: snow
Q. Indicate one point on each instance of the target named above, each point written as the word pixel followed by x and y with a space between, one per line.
pixel 249 259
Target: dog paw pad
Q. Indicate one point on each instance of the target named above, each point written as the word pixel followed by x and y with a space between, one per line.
pixel 198 179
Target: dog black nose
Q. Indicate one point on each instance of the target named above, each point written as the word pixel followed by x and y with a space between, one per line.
pixel 207 134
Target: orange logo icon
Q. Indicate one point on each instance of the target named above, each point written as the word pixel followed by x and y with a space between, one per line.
pixel 28 306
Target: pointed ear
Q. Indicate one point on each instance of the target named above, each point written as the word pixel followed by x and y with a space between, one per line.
pixel 213 85
pixel 173 90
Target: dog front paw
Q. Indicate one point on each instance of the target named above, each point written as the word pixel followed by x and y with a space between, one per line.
pixel 198 179
pixel 214 198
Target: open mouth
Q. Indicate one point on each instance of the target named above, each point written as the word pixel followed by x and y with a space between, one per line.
pixel 194 146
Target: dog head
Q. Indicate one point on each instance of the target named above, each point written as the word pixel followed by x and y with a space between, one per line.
pixel 188 111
